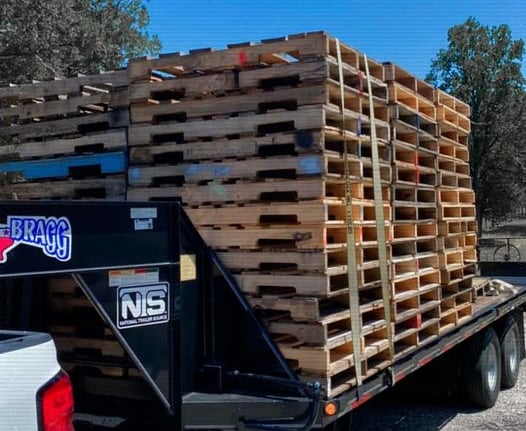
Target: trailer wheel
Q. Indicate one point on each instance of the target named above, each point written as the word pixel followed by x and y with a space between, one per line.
pixel 482 369
pixel 510 351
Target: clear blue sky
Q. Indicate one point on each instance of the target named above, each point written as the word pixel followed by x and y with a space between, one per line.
pixel 406 32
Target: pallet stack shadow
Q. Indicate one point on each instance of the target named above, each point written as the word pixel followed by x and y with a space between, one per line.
pixel 251 139
pixel 66 138
pixel 434 224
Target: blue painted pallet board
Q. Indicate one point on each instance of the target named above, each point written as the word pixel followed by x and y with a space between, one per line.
pixel 110 163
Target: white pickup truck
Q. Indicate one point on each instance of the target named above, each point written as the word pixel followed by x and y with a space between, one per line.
pixel 35 394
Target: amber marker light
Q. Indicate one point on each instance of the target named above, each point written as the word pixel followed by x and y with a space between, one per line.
pixel 331 408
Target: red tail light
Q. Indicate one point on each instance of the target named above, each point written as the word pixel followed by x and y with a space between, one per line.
pixel 56 405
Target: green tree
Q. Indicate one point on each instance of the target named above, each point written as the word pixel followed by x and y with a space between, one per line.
pixel 482 66
pixel 44 39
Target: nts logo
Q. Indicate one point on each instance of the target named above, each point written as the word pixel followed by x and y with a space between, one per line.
pixel 142 305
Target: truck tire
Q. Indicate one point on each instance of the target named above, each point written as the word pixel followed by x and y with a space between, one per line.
pixel 482 369
pixel 510 347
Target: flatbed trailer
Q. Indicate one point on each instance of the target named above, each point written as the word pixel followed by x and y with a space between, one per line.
pixel 184 322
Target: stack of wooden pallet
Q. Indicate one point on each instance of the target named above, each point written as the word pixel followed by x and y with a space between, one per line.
pixel 414 258
pixel 269 147
pixel 433 205
pixel 456 211
pixel 251 138
pixel 65 139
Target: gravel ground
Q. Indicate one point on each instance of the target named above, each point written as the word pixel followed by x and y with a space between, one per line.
pixel 407 409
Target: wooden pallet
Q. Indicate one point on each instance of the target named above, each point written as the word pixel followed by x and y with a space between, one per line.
pixel 50 102
pixel 331 330
pixel 110 140
pixel 274 214
pixel 453 149
pixel 304 118
pixel 258 190
pixel 271 52
pixel 411 101
pixel 74 126
pixel 109 188
pixel 255 168
pixel 331 260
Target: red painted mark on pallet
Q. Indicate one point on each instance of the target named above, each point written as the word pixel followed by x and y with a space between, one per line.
pixel 243 58
pixel 417 168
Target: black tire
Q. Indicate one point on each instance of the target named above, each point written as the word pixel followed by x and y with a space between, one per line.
pixel 510 339
pixel 482 369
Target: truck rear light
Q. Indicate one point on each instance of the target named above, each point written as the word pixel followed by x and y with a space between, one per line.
pixel 55 403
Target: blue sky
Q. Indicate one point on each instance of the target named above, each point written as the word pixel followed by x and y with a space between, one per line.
pixel 406 32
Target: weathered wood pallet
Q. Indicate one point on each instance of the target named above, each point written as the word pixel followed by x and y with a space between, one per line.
pixel 410 195
pixel 331 331
pixel 282 167
pixel 286 50
pixel 304 118
pixel 456 227
pixel 411 101
pixel 61 86
pixel 328 261
pixel 375 358
pixel 84 166
pixel 273 214
pixel 412 129
pixel 74 127
pixel 109 188
pixel 195 86
pixel 295 142
pixel 378 360
pixel 448 119
pixel 319 236
pixel 410 82
pixel 256 101
pixel 449 179
pixel 313 309
pixel 454 166
pixel 85 104
pixel 452 149
pixel 456 212
pixel 110 140
pixel 442 98
pixel 331 361
pixel 263 190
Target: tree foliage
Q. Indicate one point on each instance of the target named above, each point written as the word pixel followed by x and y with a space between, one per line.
pixel 41 40
pixel 482 66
